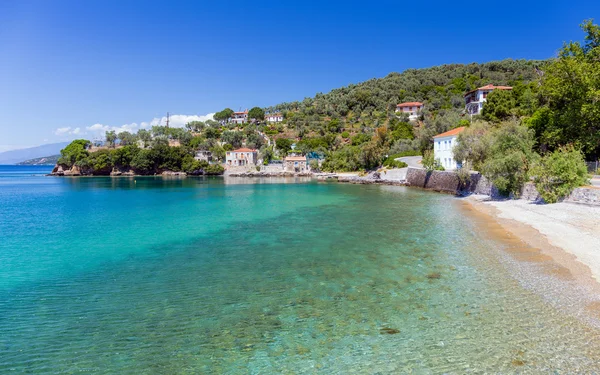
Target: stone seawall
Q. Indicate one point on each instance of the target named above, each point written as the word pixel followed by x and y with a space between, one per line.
pixel 449 182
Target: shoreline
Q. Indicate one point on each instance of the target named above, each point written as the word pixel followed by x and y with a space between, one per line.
pixel 556 249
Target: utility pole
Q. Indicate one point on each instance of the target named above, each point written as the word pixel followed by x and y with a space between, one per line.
pixel 167 120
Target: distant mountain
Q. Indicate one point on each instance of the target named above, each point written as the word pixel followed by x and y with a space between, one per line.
pixel 17 156
pixel 46 160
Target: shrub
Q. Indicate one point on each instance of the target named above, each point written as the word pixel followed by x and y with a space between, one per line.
pixel 391 162
pixel 558 173
pixel 214 169
pixel 345 134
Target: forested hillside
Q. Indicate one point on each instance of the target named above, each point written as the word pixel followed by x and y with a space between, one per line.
pixel 342 122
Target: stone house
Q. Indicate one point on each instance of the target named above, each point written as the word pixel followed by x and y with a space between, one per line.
pixel 241 157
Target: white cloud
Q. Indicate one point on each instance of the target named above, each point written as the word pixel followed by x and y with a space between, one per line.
pixel 98 130
pixel 62 131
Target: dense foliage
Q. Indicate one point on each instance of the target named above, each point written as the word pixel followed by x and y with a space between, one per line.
pixel 559 172
pixel 560 122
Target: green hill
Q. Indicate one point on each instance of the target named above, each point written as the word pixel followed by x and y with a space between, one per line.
pixel 46 160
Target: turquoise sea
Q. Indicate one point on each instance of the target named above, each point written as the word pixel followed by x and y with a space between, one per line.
pixel 210 276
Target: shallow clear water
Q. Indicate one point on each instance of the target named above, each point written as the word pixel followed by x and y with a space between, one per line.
pixel 152 275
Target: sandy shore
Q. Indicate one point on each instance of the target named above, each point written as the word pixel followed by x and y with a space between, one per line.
pixel 568 233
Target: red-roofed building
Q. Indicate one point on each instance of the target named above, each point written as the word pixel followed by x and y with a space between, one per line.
pixel 474 99
pixel 412 109
pixel 241 157
pixel 240 117
pixel 443 145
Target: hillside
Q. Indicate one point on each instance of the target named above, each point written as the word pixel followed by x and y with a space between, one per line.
pixel 17 156
pixel 46 160
pixel 364 106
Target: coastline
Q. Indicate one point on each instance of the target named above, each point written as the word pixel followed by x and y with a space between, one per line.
pixel 563 238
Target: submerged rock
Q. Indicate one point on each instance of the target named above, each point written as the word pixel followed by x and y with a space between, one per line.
pixel 389 331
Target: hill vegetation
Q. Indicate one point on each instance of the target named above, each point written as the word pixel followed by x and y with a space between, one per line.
pixel 553 106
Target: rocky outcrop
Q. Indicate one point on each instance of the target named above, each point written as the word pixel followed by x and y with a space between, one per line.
pixel 116 173
pixel 173 174
pixel 60 170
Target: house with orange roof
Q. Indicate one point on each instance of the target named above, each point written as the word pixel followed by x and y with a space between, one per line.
pixel 240 117
pixel 412 109
pixel 474 99
pixel 241 157
pixel 274 117
pixel 443 145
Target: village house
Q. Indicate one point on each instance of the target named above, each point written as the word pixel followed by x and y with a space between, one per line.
pixel 478 96
pixel 443 145
pixel 274 117
pixel 296 164
pixel 412 109
pixel 204 155
pixel 241 157
pixel 240 117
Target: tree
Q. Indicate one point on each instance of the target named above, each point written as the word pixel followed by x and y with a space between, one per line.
pixel 123 157
pixel 224 115
pixel 111 137
pixel 510 157
pixel 371 155
pixel 160 141
pixel 256 114
pixel 283 145
pixel 254 140
pixel 127 138
pixel 472 145
pixel 211 133
pixel 498 106
pixel 195 126
pixel 234 138
pixel 144 136
pixel 75 152
pixel 570 92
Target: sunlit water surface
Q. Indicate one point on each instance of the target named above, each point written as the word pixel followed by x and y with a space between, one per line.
pixel 169 276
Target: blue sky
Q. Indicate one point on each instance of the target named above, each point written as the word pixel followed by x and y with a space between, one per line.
pixel 71 69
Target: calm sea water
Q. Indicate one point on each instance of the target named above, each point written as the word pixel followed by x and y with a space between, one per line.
pixel 205 275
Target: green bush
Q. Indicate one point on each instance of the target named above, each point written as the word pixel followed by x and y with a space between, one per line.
pixel 391 162
pixel 345 134
pixel 214 169
pixel 558 173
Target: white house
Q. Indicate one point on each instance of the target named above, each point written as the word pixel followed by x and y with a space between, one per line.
pixel 241 157
pixel 443 144
pixel 239 117
pixel 412 109
pixel 479 96
pixel 274 117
